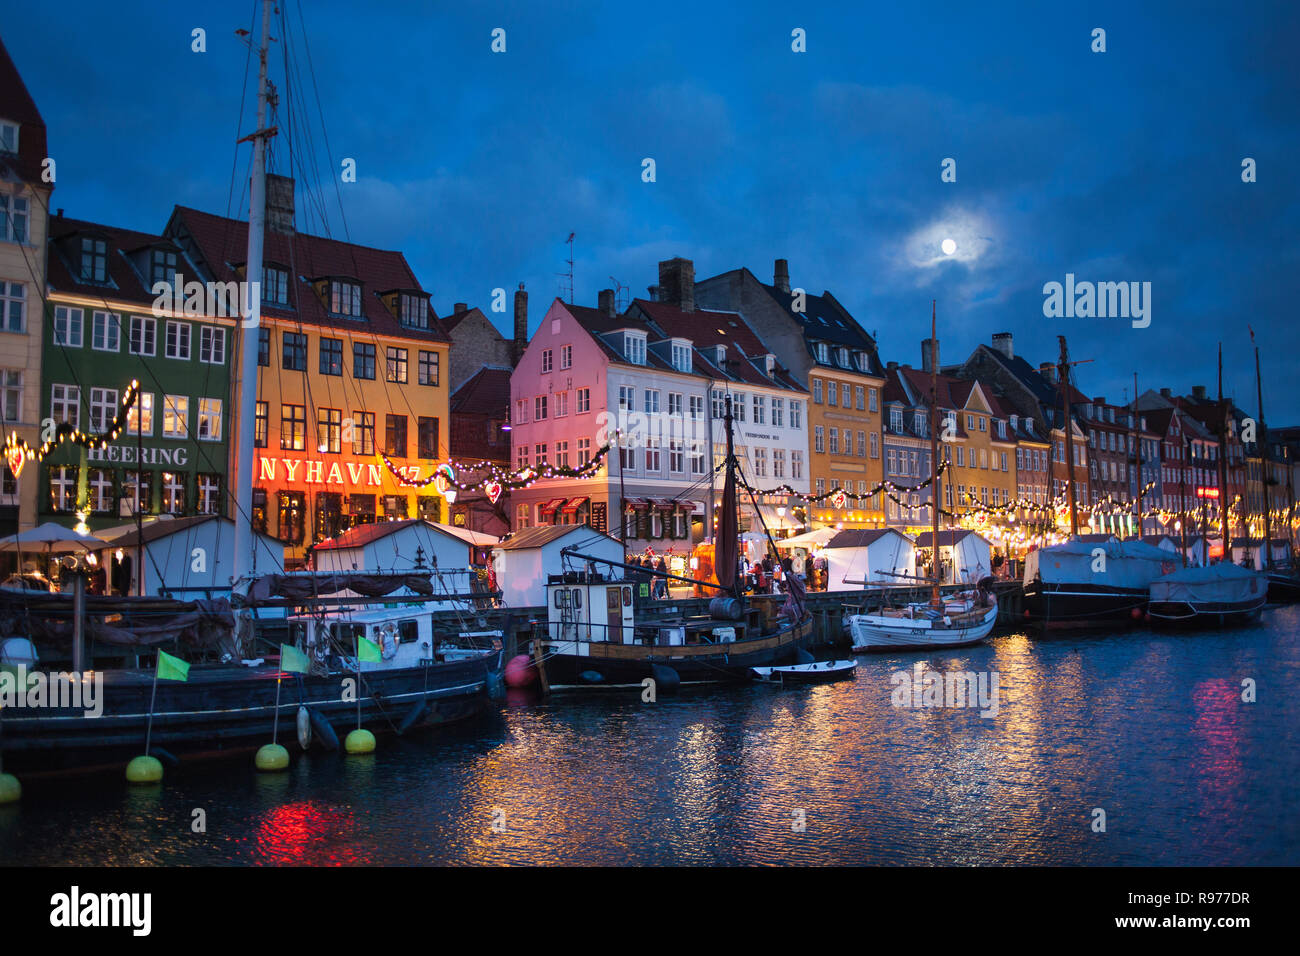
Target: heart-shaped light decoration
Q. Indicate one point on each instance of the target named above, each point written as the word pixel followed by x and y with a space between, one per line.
pixel 16 458
pixel 440 482
pixel 450 495
pixel 839 499
pixel 493 489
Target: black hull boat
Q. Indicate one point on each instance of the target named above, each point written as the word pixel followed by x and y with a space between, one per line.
pixel 1079 606
pixel 224 709
pixel 1283 588
pixel 1216 596
pixel 1079 585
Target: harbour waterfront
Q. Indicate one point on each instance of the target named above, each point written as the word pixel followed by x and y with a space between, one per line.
pixel 1150 728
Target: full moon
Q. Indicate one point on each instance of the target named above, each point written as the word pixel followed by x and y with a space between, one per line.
pixel 948 247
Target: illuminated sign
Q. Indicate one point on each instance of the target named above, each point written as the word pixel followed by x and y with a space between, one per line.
pixel 314 471
pixel 126 454
pixel 1207 492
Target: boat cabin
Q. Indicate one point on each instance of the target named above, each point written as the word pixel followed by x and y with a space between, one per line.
pixel 406 637
pixel 583 607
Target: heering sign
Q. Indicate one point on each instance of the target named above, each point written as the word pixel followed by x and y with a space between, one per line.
pixel 149 455
pixel 312 471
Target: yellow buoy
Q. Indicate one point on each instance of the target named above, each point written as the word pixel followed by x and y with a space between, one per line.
pixel 359 741
pixel 10 789
pixel 272 757
pixel 144 769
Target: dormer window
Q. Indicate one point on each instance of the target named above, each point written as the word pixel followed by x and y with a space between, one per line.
pixel 719 355
pixel 918 422
pixel 8 137
pixel 862 361
pixel 345 298
pixel 842 357
pixel 275 285
pixel 634 347
pixel 823 353
pixel 1014 421
pixel 769 364
pixel 896 420
pixel 681 355
pixel 94 260
pixel 415 310
pixel 1029 425
pixel 162 266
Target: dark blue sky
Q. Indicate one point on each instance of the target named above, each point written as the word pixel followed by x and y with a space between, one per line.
pixel 1117 166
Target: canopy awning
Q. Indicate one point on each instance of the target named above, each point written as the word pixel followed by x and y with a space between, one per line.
pixel 573 505
pixel 550 506
pixel 635 504
pixel 774 521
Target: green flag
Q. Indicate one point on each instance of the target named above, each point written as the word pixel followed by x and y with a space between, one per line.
pixel 292 659
pixel 368 651
pixel 172 668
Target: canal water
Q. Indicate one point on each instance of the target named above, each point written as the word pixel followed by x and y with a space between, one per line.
pixel 1146 728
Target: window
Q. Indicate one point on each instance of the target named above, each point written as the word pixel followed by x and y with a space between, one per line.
pixel 819 438
pixel 292 517
pixel 363 433
pixel 99 490
pixel 562 454
pixel 696 405
pixel 738 406
pixel 144 335
pixel 823 353
pixel 397 365
pixel 760 410
pixel 14 210
pixel 796 464
pixel 11 394
pixel 67 326
pixel 176 416
pixel 584 451
pixel 859 397
pixel 719 406
pixel 331 356
pixel 566 356
pixel 415 311
pixel 263 346
pixel 13 306
pixel 275 285
pixel 778 462
pixel 634 348
pixel 832 394
pixel 212 345
pixel 697 458
pixel 760 462
pixel 8 137
pixel 295 352
pixel 652 455
pixel 548 356
pixel 584 400
pixel 561 404
pixel 625 396
pixel 395 435
pixel 539 408
pixel 681 357
pixel 427 437
pixel 363 360
pixel 209 494
pixel 539 452
pixel 862 444
pixel 428 371
pixel 178 340
pixel 345 299
pixel 162 266
pixel 835 441
pixel 65 404
pixel 652 401
pixel 674 403
pixel 796 414
pixel 63 488
pixel 173 493
pixel 875 445
pixel 94 260
pixel 260 426
pixel 293 427
pixel 817 391
pixel 627 458
pixel 329 430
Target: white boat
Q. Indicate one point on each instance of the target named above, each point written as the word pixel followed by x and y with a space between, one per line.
pixel 967 618
pixel 815 672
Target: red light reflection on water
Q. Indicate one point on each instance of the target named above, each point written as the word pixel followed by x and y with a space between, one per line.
pixel 309 834
pixel 1217 704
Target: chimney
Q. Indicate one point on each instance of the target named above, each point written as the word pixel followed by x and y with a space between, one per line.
pixel 1048 371
pixel 929 351
pixel 1099 400
pixel 891 366
pixel 1198 392
pixel 677 283
pixel 521 322
pixel 781 276
pixel 279 204
pixel 1002 342
pixel 1166 393
pixel 605 302
pixel 459 307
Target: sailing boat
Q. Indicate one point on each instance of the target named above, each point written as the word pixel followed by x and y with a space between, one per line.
pixel 592 638
pixel 419 679
pixel 962 619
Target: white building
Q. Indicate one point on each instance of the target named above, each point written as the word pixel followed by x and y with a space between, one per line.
pixel 523 562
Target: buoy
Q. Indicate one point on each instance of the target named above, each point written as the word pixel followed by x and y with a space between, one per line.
pixel 519 671
pixel 666 679
pixel 144 769
pixel 10 789
pixel 328 739
pixel 271 757
pixel 1136 613
pixel 417 711
pixel 1026 612
pixel 359 741
pixel 304 728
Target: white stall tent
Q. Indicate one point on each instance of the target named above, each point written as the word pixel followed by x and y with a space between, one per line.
pixel 524 560
pixel 860 556
pixel 187 558
pixel 964 555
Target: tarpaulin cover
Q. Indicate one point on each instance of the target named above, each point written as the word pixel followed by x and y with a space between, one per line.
pixel 303 587
pixel 1218 583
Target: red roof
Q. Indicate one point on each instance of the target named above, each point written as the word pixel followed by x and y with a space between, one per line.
pixel 361 535
pixel 745 351
pixel 220 244
pixel 17 105
pixel 124 282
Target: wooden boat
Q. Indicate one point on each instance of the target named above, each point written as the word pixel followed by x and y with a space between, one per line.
pixel 1086 584
pixel 818 672
pixel 1216 596
pixel 230 707
pixel 966 618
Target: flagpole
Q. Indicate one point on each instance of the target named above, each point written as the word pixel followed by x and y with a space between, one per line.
pixel 275 723
pixel 153 694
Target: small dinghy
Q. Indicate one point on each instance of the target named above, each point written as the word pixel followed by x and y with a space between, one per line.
pixel 817 672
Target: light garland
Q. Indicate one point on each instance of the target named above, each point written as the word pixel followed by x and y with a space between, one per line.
pixel 17 450
pixel 493 477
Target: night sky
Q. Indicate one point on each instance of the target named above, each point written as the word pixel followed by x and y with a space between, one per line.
pixel 1115 166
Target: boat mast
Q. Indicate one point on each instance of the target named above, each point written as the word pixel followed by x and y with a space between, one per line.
pixel 1261 443
pixel 248 342
pixel 935 499
pixel 1225 517
pixel 1063 370
pixel 1137 448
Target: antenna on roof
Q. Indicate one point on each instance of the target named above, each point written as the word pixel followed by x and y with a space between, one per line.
pixel 622 295
pixel 566 278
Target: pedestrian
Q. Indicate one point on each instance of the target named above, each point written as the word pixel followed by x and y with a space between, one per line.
pixel 661 583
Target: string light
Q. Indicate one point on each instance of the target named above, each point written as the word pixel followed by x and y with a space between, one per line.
pixel 65 431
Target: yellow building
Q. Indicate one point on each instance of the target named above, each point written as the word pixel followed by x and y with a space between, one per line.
pixel 352 364
pixel 25 186
pixel 844 438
